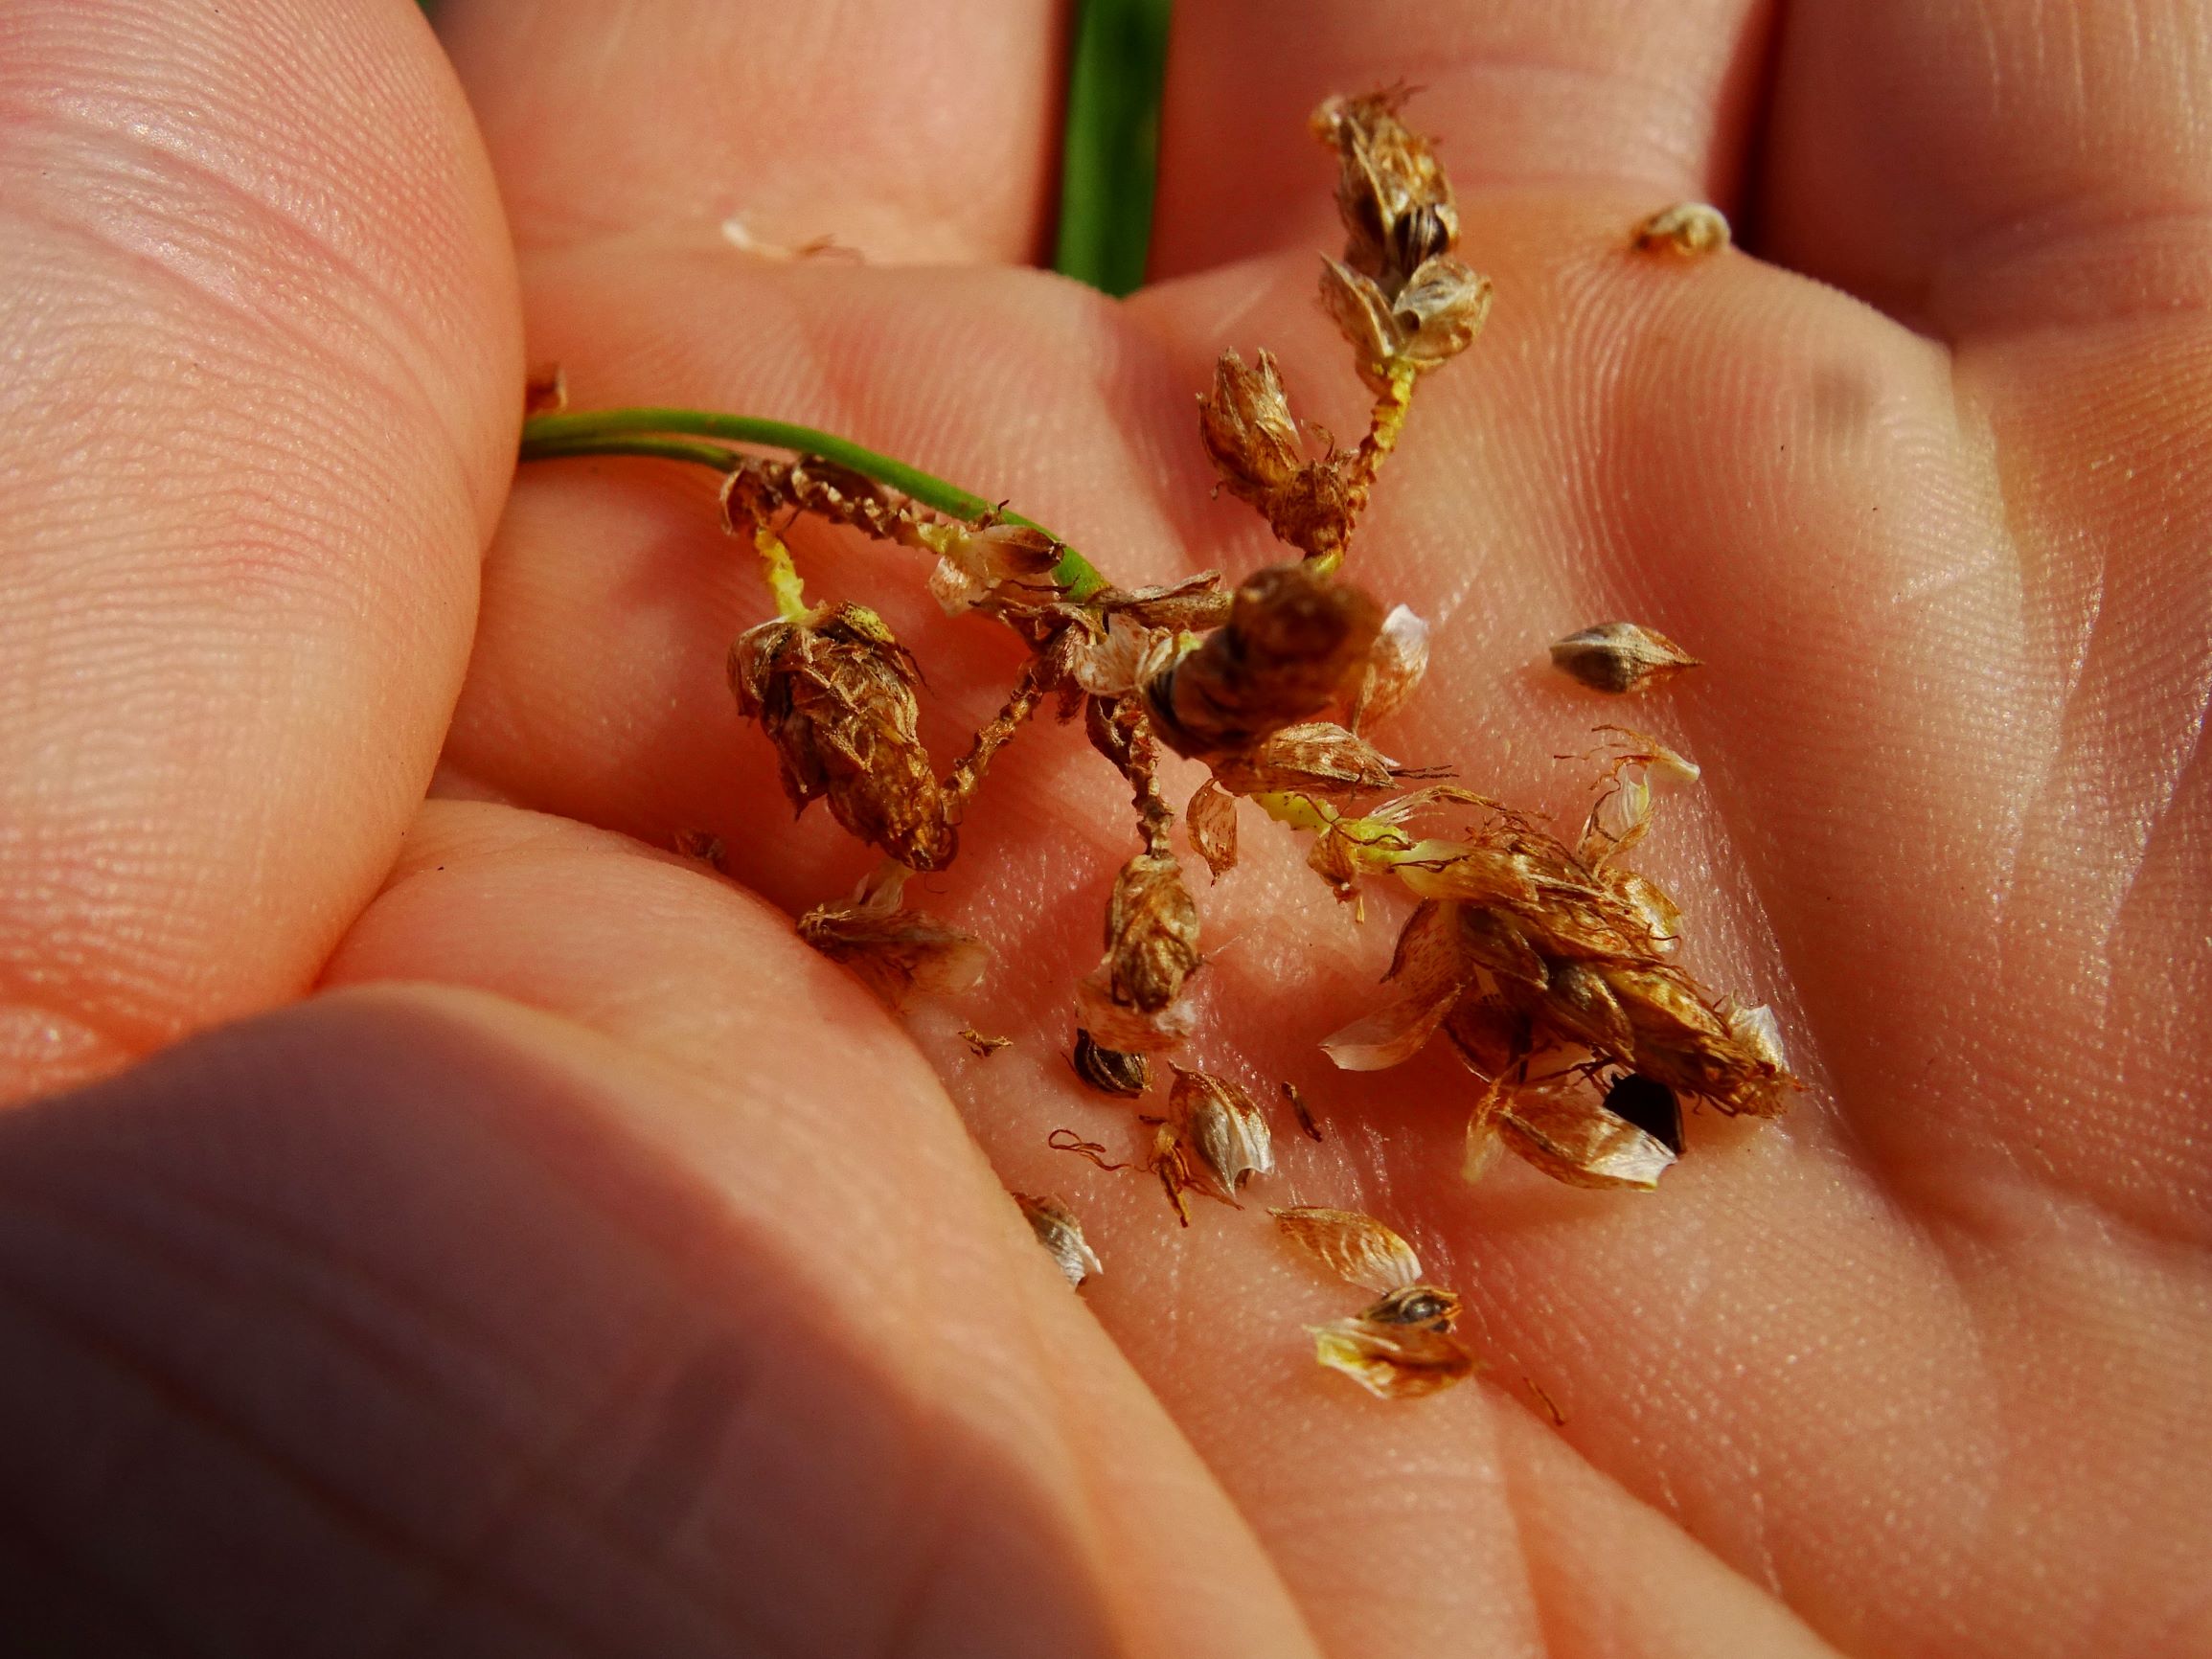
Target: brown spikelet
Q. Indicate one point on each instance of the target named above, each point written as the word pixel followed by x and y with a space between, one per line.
pixel 1291 641
pixel 835 693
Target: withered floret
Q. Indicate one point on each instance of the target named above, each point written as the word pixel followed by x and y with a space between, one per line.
pixel 1224 1126
pixel 1429 1304
pixel 1392 1361
pixel 1248 428
pixel 895 952
pixel 1688 227
pixel 1058 1230
pixel 1292 641
pixel 1354 1247
pixel 1620 658
pixel 835 693
pixel 1316 758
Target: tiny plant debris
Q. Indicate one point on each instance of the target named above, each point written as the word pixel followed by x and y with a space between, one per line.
pixel 1620 658
pixel 980 1046
pixel 1301 1111
pixel 1550 967
pixel 1689 227
pixel 1062 1235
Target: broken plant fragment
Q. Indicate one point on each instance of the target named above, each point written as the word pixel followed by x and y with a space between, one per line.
pixel 1315 757
pixel 1357 1248
pixel 980 1046
pixel 1210 816
pixel 1301 1111
pixel 1224 1127
pixel 1392 1361
pixel 1688 227
pixel 899 953
pixel 835 693
pixel 1571 1136
pixel 1109 1071
pixel 1058 1230
pixel 1396 665
pixel 1620 658
pixel 1292 639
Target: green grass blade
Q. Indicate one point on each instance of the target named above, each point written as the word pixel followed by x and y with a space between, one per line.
pixel 1111 157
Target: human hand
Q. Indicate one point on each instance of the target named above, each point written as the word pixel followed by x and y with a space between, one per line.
pixel 593 1266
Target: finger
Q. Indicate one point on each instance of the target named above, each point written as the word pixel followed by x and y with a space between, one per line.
pixel 417 1321
pixel 1659 100
pixel 258 320
pixel 1992 165
pixel 2030 181
pixel 903 133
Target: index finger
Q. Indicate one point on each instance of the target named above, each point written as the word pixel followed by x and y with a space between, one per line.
pixel 259 324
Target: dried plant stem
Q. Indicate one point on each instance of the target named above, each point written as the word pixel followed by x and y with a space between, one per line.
pixel 966 776
pixel 657 433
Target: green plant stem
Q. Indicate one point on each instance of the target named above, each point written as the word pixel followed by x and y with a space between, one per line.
pixel 647 432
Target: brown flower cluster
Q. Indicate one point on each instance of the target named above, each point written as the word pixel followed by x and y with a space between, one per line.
pixel 1401 299
pixel 1550 966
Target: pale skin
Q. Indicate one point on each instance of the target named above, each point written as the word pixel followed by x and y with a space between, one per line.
pixel 561 1259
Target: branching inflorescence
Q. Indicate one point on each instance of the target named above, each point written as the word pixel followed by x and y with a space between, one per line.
pixel 1548 965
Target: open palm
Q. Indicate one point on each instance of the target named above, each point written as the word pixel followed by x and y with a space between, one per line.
pixel 592 1268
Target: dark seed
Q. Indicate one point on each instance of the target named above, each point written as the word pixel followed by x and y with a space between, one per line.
pixel 1651 1106
pixel 1108 1070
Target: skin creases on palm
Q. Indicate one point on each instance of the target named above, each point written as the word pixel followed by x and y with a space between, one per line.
pixel 1814 1326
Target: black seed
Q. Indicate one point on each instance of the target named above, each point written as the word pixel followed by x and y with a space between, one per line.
pixel 1651 1106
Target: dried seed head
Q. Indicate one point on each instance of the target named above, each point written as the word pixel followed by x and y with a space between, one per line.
pixel 1133 1000
pixel 1690 227
pixel 1292 639
pixel 1151 933
pixel 1316 758
pixel 1392 1361
pixel 1429 1304
pixel 1211 817
pixel 1354 1247
pixel 1224 1127
pixel 1571 1136
pixel 898 953
pixel 1620 658
pixel 1248 428
pixel 835 693
pixel 1396 665
pixel 1431 321
pixel 1428 322
pixel 1758 1035
pixel 976 563
pixel 1062 1235
pixel 1109 1071
pixel 1394 199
